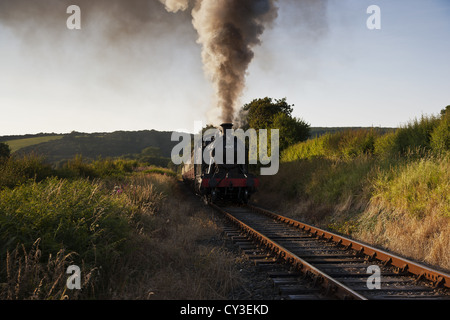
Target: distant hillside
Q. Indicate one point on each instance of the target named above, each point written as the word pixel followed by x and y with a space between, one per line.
pixel 19 143
pixel 106 145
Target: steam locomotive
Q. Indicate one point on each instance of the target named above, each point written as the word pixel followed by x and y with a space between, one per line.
pixel 218 175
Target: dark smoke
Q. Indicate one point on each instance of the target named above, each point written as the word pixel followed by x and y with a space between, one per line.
pixel 228 31
pixel 139 21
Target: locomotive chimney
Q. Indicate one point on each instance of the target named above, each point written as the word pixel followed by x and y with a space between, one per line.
pixel 226 126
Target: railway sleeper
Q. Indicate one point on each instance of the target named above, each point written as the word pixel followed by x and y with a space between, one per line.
pixel 334 263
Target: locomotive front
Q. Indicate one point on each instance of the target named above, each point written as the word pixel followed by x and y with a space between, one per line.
pixel 224 172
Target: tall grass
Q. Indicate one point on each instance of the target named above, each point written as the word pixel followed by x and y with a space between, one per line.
pixel 78 218
pixel 341 145
pixel 416 188
pixel 133 234
pixel 367 184
pixel 409 211
pixel 418 136
pixel 101 168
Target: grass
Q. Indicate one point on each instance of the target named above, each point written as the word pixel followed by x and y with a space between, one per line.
pixel 134 234
pixel 391 189
pixel 18 144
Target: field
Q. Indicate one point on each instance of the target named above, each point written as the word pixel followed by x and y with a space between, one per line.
pixel 18 144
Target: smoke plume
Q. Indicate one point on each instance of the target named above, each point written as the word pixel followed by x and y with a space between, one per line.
pixel 228 30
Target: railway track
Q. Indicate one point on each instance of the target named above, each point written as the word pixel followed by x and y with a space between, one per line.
pixel 340 267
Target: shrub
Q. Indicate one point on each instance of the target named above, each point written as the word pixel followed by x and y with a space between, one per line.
pixel 440 137
pixel 17 170
pixel 386 146
pixel 5 150
pixel 415 135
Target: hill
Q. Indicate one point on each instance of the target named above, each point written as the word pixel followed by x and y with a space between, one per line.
pixel 17 144
pixel 127 144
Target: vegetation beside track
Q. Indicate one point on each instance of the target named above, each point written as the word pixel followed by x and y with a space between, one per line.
pixel 127 228
pixel 389 189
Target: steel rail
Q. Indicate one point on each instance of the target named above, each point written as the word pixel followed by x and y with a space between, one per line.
pixel 402 264
pixel 331 285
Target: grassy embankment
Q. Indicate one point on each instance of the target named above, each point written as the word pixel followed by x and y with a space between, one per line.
pixel 124 229
pixel 391 190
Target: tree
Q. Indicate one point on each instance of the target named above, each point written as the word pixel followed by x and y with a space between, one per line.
pixel 268 114
pixel 259 114
pixel 154 152
pixel 445 111
pixel 5 151
pixel 292 130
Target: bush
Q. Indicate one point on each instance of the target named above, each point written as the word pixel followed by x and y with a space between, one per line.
pixel 415 135
pixel 5 150
pixel 17 170
pixel 440 137
pixel 386 146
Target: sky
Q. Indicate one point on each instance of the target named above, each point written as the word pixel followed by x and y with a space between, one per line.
pixel 323 59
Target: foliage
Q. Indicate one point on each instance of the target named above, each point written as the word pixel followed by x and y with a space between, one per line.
pixel 268 114
pixel 90 223
pixel 440 136
pixel 17 170
pixel 75 215
pixel 100 168
pixel 5 151
pixel 292 130
pixel 340 145
pixel 416 187
pixel 418 136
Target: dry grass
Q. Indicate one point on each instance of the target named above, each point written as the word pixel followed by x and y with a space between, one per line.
pixel 28 278
pixel 173 250
pixel 174 254
pixel 403 205
pixel 424 239
pixel 409 211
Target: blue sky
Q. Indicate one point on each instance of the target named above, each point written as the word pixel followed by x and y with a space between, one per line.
pixel 334 70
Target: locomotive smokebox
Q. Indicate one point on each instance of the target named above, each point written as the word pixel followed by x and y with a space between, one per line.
pixel 225 126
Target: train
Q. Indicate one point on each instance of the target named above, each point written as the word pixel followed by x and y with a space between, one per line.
pixel 217 176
